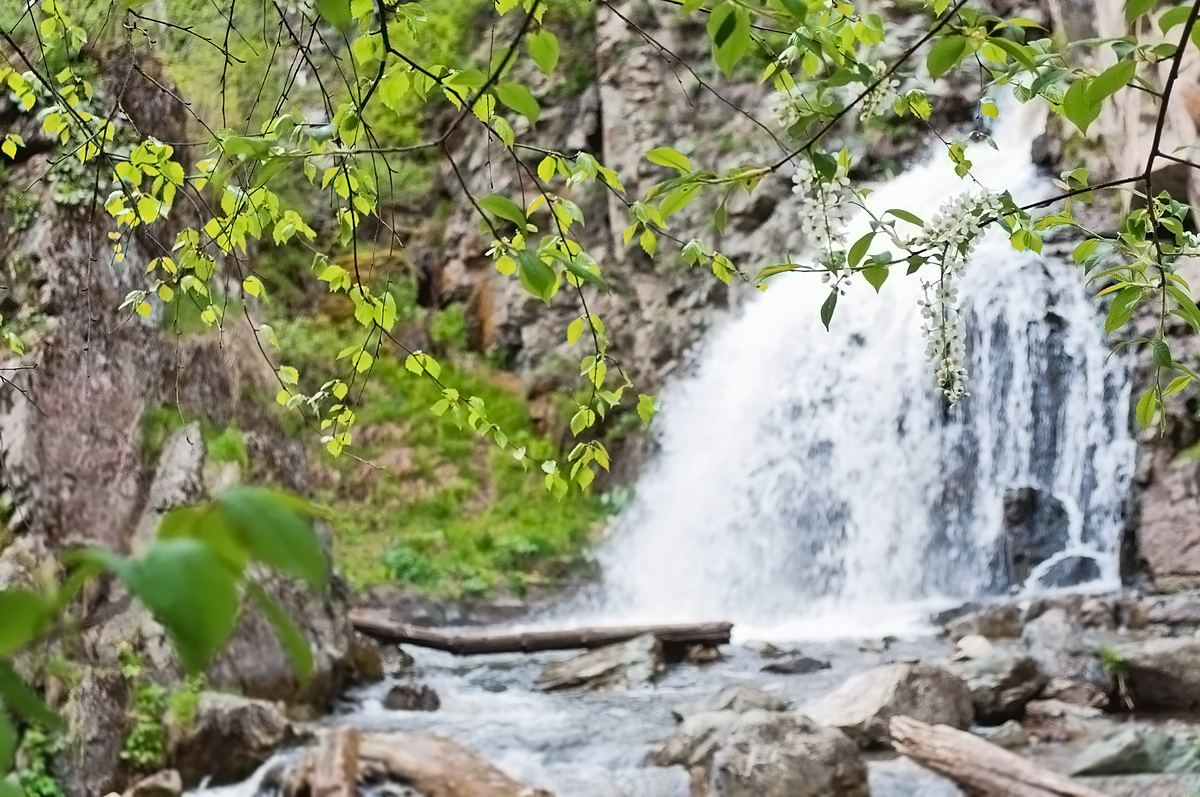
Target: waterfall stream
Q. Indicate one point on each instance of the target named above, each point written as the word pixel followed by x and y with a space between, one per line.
pixel 812 482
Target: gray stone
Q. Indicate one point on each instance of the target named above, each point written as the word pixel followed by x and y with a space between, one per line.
pixel 1002 621
pixel 970 647
pixel 796 665
pixel 1181 609
pixel 412 696
pixel 1070 571
pixel 229 738
pixel 1036 527
pixel 161 784
pixel 627 665
pixel 1001 683
pixel 864 703
pixel 97 712
pixel 1010 735
pixel 1079 693
pixel 1163 673
pixel 737 699
pixel 1061 650
pixel 1138 750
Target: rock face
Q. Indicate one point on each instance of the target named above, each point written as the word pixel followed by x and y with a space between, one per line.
pixel 1060 649
pixel 1163 673
pixel 627 665
pixel 765 754
pixel 229 738
pixel 863 704
pixel 1001 682
pixel 98 712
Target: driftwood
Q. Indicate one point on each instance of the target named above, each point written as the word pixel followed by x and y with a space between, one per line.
pixel 335 764
pixel 460 644
pixel 437 767
pixel 979 767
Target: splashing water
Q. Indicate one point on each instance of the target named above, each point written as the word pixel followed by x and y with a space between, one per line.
pixel 813 483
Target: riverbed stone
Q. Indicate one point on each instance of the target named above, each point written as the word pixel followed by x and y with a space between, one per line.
pixel 864 704
pixel 627 665
pixel 1001 681
pixel 796 664
pixel 1138 749
pixel 1163 673
pixel 1010 735
pixel 228 739
pixel 1001 621
pixel 737 699
pixel 411 695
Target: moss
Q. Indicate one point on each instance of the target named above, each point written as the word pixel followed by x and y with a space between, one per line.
pixel 223 445
pixel 20 209
pixel 448 328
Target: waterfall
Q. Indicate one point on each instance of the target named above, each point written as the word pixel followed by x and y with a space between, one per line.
pixel 813 482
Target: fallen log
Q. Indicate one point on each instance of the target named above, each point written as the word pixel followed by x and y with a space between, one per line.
pixel 469 644
pixel 438 767
pixel 978 766
pixel 335 764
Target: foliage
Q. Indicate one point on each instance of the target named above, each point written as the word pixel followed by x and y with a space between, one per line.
pixel 223 445
pixel 145 748
pixel 36 777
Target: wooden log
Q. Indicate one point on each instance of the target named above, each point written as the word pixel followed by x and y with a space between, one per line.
pixel 438 767
pixel 335 764
pixel 981 768
pixel 468 644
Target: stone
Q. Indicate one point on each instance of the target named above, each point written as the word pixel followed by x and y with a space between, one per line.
pixel 161 784
pixel 1167 528
pixel 1070 571
pixel 1002 621
pixel 412 696
pixel 1010 735
pixel 1145 785
pixel 365 660
pixel 765 754
pixel 702 654
pixel 1098 613
pixel 864 703
pixel 1036 527
pixel 1001 683
pixel 435 766
pixel 1182 609
pixel 228 739
pixel 1079 693
pixel 796 664
pixel 972 646
pixel 1138 749
pixel 736 699
pixel 627 665
pixel 1060 649
pixel 97 711
pixel 1162 673
pixel 765 649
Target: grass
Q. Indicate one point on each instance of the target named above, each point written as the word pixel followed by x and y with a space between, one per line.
pixel 223 445
pixel 431 504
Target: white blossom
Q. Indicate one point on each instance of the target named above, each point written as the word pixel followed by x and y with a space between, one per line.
pixel 880 98
pixel 824 208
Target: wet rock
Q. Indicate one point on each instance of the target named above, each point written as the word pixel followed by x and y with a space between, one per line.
pixel 230 737
pixel 1098 613
pixel 864 703
pixel 702 654
pixel 627 665
pixel 1137 750
pixel 880 645
pixel 796 664
pixel 412 696
pixel 1061 650
pixel 1002 621
pixel 365 660
pixel 765 649
pixel 1166 531
pixel 1056 721
pixel 1036 527
pixel 1145 785
pixel 1079 693
pixel 1181 610
pixel 1001 683
pixel 162 784
pixel 1163 673
pixel 970 647
pixel 736 699
pixel 97 713
pixel 436 766
pixel 1010 735
pixel 1070 571
pixel 765 754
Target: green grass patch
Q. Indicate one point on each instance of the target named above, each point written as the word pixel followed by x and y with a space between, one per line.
pixel 223 445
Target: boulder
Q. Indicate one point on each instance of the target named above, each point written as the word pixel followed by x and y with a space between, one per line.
pixel 971 647
pixel 1070 571
pixel 864 703
pixel 1145 785
pixel 161 784
pixel 1010 735
pixel 736 699
pixel 1036 527
pixel 627 665
pixel 411 696
pixel 765 754
pixel 1061 650
pixel 97 711
pixel 796 664
pixel 1175 610
pixel 1002 621
pixel 1162 673
pixel 1138 750
pixel 1002 681
pixel 1079 693
pixel 227 740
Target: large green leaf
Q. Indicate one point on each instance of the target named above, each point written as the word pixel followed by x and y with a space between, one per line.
pixel 293 641
pixel 1137 8
pixel 24 615
pixel 1122 308
pixel 543 49
pixel 8 742
pixel 192 592
pixel 1078 107
pixel 944 54
pixel 273 534
pixel 517 97
pixel 729 29
pixel 1110 81
pixel 22 701
pixel 536 276
pixel 336 13
pixel 506 209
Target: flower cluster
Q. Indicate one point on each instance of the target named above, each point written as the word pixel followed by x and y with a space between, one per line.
pixel 824 208
pixel 949 238
pixel 881 97
pixel 790 106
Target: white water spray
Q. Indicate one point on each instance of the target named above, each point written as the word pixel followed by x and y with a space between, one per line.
pixel 813 483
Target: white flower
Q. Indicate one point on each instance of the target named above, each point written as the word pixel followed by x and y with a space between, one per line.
pixel 881 97
pixel 824 209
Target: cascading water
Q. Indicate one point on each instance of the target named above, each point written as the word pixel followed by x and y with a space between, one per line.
pixel 814 482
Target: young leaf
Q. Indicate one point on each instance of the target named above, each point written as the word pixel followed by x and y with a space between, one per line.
pixel 336 13
pixel 904 215
pixel 1146 407
pixel 1177 384
pixel 542 46
pixel 827 308
pixel 1162 354
pixel 536 276
pixel 944 54
pixel 517 97
pixel 506 209
pixel 1123 306
pixel 25 618
pixel 671 158
pixel 875 275
pixel 574 330
pixel 729 29
pixel 859 250
pixel 272 533
pixel 646 407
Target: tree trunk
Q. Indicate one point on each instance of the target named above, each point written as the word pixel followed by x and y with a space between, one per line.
pixel 979 767
pixel 392 632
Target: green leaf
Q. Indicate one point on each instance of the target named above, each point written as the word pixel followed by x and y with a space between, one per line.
pixel 859 250
pixel 517 97
pixel 25 617
pixel 1078 107
pixel 336 13
pixel 729 30
pixel 1137 8
pixel 1162 354
pixel 1175 16
pixel 546 168
pixel 506 209
pixel 574 330
pixel 1177 384
pixel 297 647
pixel 827 308
pixel 646 407
pixel 22 701
pixel 1185 306
pixel 536 276
pixel 1085 250
pixel 1146 407
pixel 678 199
pixel 904 215
pixel 8 746
pixel 875 275
pixel 671 158
pixel 191 591
pixel 542 46
pixel 944 54
pixel 1123 306
pixel 1110 81
pixel 273 534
